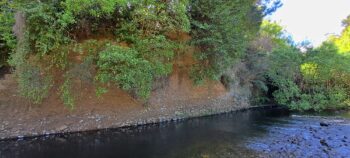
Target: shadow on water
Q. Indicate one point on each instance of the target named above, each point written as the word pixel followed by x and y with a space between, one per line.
pixel 199 137
pixel 237 134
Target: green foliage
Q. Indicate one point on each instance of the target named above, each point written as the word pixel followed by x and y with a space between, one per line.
pixel 179 15
pixel 325 64
pixel 153 18
pixel 285 63
pixel 326 75
pixel 342 42
pixel 95 8
pixel 139 50
pixel 32 84
pixel 274 32
pixel 338 97
pixel 316 80
pixel 100 91
pixel 283 72
pixel 287 93
pixel 7 38
pixel 267 53
pixel 159 52
pixel 46 29
pixel 221 30
pixel 122 67
pixel 53 37
pixel 144 28
pixel 321 99
pixel 66 93
pixel 32 81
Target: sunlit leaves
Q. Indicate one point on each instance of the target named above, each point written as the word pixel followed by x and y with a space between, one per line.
pixel 343 42
pixel 309 70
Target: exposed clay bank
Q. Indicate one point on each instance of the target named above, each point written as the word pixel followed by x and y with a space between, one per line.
pixel 174 98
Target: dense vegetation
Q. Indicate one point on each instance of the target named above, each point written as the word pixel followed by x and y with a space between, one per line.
pixel 220 41
pixel 128 44
pixel 313 79
pixel 7 38
pixel 124 43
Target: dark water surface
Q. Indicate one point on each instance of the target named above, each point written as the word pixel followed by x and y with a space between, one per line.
pixel 252 133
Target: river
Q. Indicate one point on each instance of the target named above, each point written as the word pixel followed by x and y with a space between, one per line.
pixel 250 133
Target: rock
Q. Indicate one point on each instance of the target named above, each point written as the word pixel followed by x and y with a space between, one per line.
pixel 324 124
pixel 62 128
pixel 2 87
pixel 20 137
pixel 324 143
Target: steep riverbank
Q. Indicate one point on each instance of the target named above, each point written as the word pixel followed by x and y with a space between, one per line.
pixel 175 99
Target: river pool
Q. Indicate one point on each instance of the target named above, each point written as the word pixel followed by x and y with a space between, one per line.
pixel 250 133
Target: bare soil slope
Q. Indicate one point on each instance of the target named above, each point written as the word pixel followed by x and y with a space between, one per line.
pixel 177 98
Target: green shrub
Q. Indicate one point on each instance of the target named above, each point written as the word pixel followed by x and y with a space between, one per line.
pixel 32 81
pixel 287 92
pixel 66 94
pixel 338 98
pixel 321 100
pixel 7 38
pixel 159 51
pixel 122 67
pixel 45 27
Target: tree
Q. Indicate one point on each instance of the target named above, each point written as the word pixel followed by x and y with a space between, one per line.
pixel 221 30
pixel 316 79
pixel 343 41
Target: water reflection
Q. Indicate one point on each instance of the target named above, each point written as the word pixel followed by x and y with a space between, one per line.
pixel 218 136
